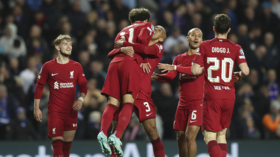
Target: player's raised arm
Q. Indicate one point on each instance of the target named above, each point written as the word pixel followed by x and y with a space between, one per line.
pixel 41 81
pixel 82 82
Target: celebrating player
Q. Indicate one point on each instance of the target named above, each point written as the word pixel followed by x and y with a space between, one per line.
pixel 144 106
pixel 188 118
pixel 122 82
pixel 62 75
pixel 218 56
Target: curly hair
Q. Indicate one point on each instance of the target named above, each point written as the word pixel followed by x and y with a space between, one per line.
pixel 139 14
pixel 222 23
pixel 60 38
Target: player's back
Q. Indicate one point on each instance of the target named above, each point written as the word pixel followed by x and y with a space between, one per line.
pixel 132 34
pixel 220 56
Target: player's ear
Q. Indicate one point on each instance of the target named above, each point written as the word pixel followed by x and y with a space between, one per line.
pixel 57 47
pixel 228 30
pixel 187 37
pixel 214 29
pixel 145 20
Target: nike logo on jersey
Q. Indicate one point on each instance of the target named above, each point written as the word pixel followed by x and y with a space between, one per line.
pixel 192 121
pixel 54 74
pixel 74 125
pixel 148 114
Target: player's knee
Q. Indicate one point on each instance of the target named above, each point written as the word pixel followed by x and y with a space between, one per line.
pixel 190 137
pixel 180 135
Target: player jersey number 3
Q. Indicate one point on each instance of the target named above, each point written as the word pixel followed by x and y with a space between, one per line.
pixel 217 66
pixel 130 38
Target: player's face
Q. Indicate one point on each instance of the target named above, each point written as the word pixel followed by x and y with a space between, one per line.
pixel 159 32
pixel 194 38
pixel 65 48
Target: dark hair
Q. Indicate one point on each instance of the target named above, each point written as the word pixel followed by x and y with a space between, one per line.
pixel 139 14
pixel 222 23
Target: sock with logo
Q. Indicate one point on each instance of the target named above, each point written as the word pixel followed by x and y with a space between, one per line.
pixel 107 117
pixel 66 148
pixel 124 118
pixel 158 148
pixel 214 149
pixel 224 149
pixel 57 148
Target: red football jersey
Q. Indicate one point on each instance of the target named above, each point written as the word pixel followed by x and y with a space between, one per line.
pixel 62 80
pixel 140 32
pixel 191 87
pixel 145 91
pixel 218 56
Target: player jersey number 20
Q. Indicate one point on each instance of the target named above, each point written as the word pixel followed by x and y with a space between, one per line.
pixel 130 38
pixel 224 69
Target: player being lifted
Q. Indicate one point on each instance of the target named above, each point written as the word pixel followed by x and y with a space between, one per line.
pixel 122 82
pixel 188 118
pixel 144 106
pixel 62 75
pixel 218 56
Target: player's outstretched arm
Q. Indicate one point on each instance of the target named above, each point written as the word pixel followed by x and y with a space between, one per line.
pixel 196 69
pixel 168 77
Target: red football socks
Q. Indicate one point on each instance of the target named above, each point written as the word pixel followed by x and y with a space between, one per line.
pixel 57 148
pixel 224 149
pixel 66 148
pixel 124 118
pixel 107 117
pixel 214 149
pixel 158 148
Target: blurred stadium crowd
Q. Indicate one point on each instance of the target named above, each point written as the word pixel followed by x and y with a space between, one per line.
pixel 28 27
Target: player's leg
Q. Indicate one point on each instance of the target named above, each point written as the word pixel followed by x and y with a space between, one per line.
pixel 151 130
pixel 107 118
pixel 55 132
pixel 180 124
pixel 211 125
pixel 108 114
pixel 194 122
pixel 111 89
pixel 227 110
pixel 182 144
pixel 68 137
pixel 191 133
pixel 221 139
pixel 129 77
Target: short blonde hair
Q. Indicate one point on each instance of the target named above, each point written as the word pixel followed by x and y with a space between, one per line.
pixel 60 38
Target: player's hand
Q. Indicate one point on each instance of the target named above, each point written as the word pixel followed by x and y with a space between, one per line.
pixel 237 76
pixel 154 76
pixel 146 67
pixel 119 43
pixel 77 105
pixel 128 51
pixel 166 67
pixel 38 115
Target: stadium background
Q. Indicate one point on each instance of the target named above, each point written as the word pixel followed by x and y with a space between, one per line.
pixel 28 27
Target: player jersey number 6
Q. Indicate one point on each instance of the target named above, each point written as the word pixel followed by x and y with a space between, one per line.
pixel 224 68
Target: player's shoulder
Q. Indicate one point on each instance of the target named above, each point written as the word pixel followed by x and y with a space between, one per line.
pixel 147 25
pixel 159 46
pixel 206 42
pixel 49 63
pixel 72 62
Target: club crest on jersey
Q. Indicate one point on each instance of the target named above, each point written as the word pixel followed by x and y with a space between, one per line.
pixel 71 74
